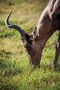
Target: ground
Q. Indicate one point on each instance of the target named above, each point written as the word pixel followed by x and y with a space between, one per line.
pixel 15 70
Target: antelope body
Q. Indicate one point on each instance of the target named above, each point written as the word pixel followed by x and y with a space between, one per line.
pixel 35 42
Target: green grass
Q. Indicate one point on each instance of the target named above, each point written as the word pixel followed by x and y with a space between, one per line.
pixel 15 70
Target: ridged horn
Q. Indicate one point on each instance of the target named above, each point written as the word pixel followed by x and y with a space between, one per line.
pixel 14 26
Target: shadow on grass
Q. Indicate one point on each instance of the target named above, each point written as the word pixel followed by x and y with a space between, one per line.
pixel 51 67
pixel 9 70
pixel 57 69
pixel 7 66
pixel 5 54
pixel 7 34
pixel 6 86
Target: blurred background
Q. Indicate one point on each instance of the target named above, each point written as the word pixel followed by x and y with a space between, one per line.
pixel 15 70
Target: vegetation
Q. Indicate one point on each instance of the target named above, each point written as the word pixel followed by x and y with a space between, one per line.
pixel 15 70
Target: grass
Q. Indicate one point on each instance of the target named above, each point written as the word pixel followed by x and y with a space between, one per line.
pixel 15 71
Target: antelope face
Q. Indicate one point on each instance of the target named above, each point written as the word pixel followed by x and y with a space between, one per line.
pixel 34 51
pixel 32 46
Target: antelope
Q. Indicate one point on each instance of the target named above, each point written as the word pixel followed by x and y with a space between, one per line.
pixel 35 42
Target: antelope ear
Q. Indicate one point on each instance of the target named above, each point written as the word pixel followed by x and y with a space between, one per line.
pixel 34 34
pixel 31 37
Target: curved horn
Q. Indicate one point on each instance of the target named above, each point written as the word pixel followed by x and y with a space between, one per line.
pixel 16 27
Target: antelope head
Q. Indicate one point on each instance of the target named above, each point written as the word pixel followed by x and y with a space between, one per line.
pixel 30 43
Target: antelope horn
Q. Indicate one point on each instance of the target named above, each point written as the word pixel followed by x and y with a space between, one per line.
pixel 16 27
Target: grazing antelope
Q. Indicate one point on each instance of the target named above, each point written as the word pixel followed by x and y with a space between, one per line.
pixel 48 23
